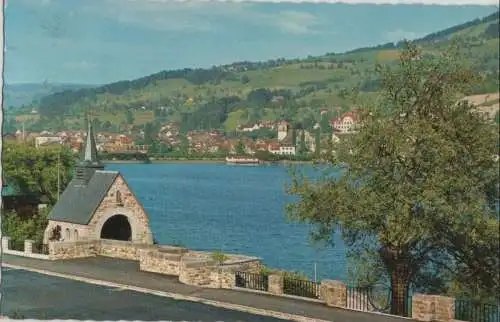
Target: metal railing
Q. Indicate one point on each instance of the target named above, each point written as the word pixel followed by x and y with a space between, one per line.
pixel 16 245
pixel 252 281
pixel 301 287
pixel 376 299
pixel 476 311
pixel 357 298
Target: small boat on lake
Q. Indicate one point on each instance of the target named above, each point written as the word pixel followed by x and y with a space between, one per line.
pixel 242 160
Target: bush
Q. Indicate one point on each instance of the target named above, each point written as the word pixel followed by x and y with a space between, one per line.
pixel 219 257
pixel 19 229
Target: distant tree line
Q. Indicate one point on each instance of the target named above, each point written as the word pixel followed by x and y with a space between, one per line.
pixel 436 36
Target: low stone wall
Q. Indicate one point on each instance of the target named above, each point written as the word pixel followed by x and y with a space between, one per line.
pixel 199 273
pixel 199 269
pixel 81 249
pixel 196 267
pixel 26 252
pixel 243 263
pixel 159 261
pixel 122 249
pixel 226 279
pixel 206 272
pixel 75 249
pixel 433 308
pixel 334 293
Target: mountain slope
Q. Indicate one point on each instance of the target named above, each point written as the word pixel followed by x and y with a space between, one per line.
pixel 17 95
pixel 224 96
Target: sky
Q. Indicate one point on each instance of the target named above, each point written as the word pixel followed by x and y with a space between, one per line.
pixel 103 41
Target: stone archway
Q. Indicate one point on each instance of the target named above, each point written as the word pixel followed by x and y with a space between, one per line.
pixel 117 227
pixel 137 220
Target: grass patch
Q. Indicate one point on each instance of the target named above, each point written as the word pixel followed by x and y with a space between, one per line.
pixel 233 118
pixel 388 55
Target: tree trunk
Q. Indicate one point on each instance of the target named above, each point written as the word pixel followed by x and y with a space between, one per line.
pixel 397 264
pixel 399 286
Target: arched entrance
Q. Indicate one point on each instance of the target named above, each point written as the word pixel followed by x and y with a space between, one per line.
pixel 117 227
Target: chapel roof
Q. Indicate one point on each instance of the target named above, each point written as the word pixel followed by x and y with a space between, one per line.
pixel 87 189
pixel 78 203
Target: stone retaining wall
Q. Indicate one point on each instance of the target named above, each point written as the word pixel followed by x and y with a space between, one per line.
pixel 193 267
pixel 122 249
pixel 433 308
pixel 76 249
pixel 334 293
pixel 226 279
pixel 199 273
pixel 246 264
pixel 196 267
pixel 158 262
pixel 199 269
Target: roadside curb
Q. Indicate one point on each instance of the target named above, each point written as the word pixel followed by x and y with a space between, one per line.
pixel 229 306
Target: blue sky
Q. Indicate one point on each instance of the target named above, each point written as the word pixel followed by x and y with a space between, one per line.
pixel 101 41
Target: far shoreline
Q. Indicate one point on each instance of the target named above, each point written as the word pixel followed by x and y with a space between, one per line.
pixel 191 161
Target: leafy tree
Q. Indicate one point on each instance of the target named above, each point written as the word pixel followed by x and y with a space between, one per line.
pixel 9 125
pixel 324 124
pixel 419 191
pixel 184 146
pixel 492 30
pixel 97 124
pixel 265 155
pixel 129 117
pixel 20 229
pixel 302 143
pixel 34 170
pixel 317 142
pixel 240 148
pixel 263 133
pixel 106 126
pixel 150 133
pixel 259 97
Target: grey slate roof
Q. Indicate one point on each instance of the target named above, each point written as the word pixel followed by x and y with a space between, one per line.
pixel 78 203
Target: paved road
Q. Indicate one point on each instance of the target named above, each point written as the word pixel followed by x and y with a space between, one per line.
pixel 36 296
pixel 127 272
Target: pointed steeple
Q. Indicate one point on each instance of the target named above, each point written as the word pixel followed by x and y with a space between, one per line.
pixel 89 161
pixel 89 153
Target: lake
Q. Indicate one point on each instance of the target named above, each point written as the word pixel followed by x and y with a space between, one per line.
pixel 236 209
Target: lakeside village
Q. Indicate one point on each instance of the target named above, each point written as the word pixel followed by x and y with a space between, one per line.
pixel 265 140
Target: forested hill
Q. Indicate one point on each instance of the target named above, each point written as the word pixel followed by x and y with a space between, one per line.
pixel 17 95
pixel 224 96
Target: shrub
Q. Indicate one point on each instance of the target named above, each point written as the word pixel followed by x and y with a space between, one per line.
pixel 219 257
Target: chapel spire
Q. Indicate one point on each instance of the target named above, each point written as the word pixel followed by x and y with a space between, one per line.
pixel 89 161
pixel 89 153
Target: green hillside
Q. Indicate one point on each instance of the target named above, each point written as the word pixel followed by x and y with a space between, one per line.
pixel 225 96
pixel 17 95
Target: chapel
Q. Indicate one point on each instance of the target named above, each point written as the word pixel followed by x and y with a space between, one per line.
pixel 97 204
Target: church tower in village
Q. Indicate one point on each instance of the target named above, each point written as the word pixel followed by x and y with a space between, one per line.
pixel 283 129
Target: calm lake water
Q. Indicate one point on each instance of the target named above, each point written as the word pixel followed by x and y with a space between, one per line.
pixel 236 209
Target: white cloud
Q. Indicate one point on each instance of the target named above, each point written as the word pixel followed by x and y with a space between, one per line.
pixel 168 15
pixel 295 22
